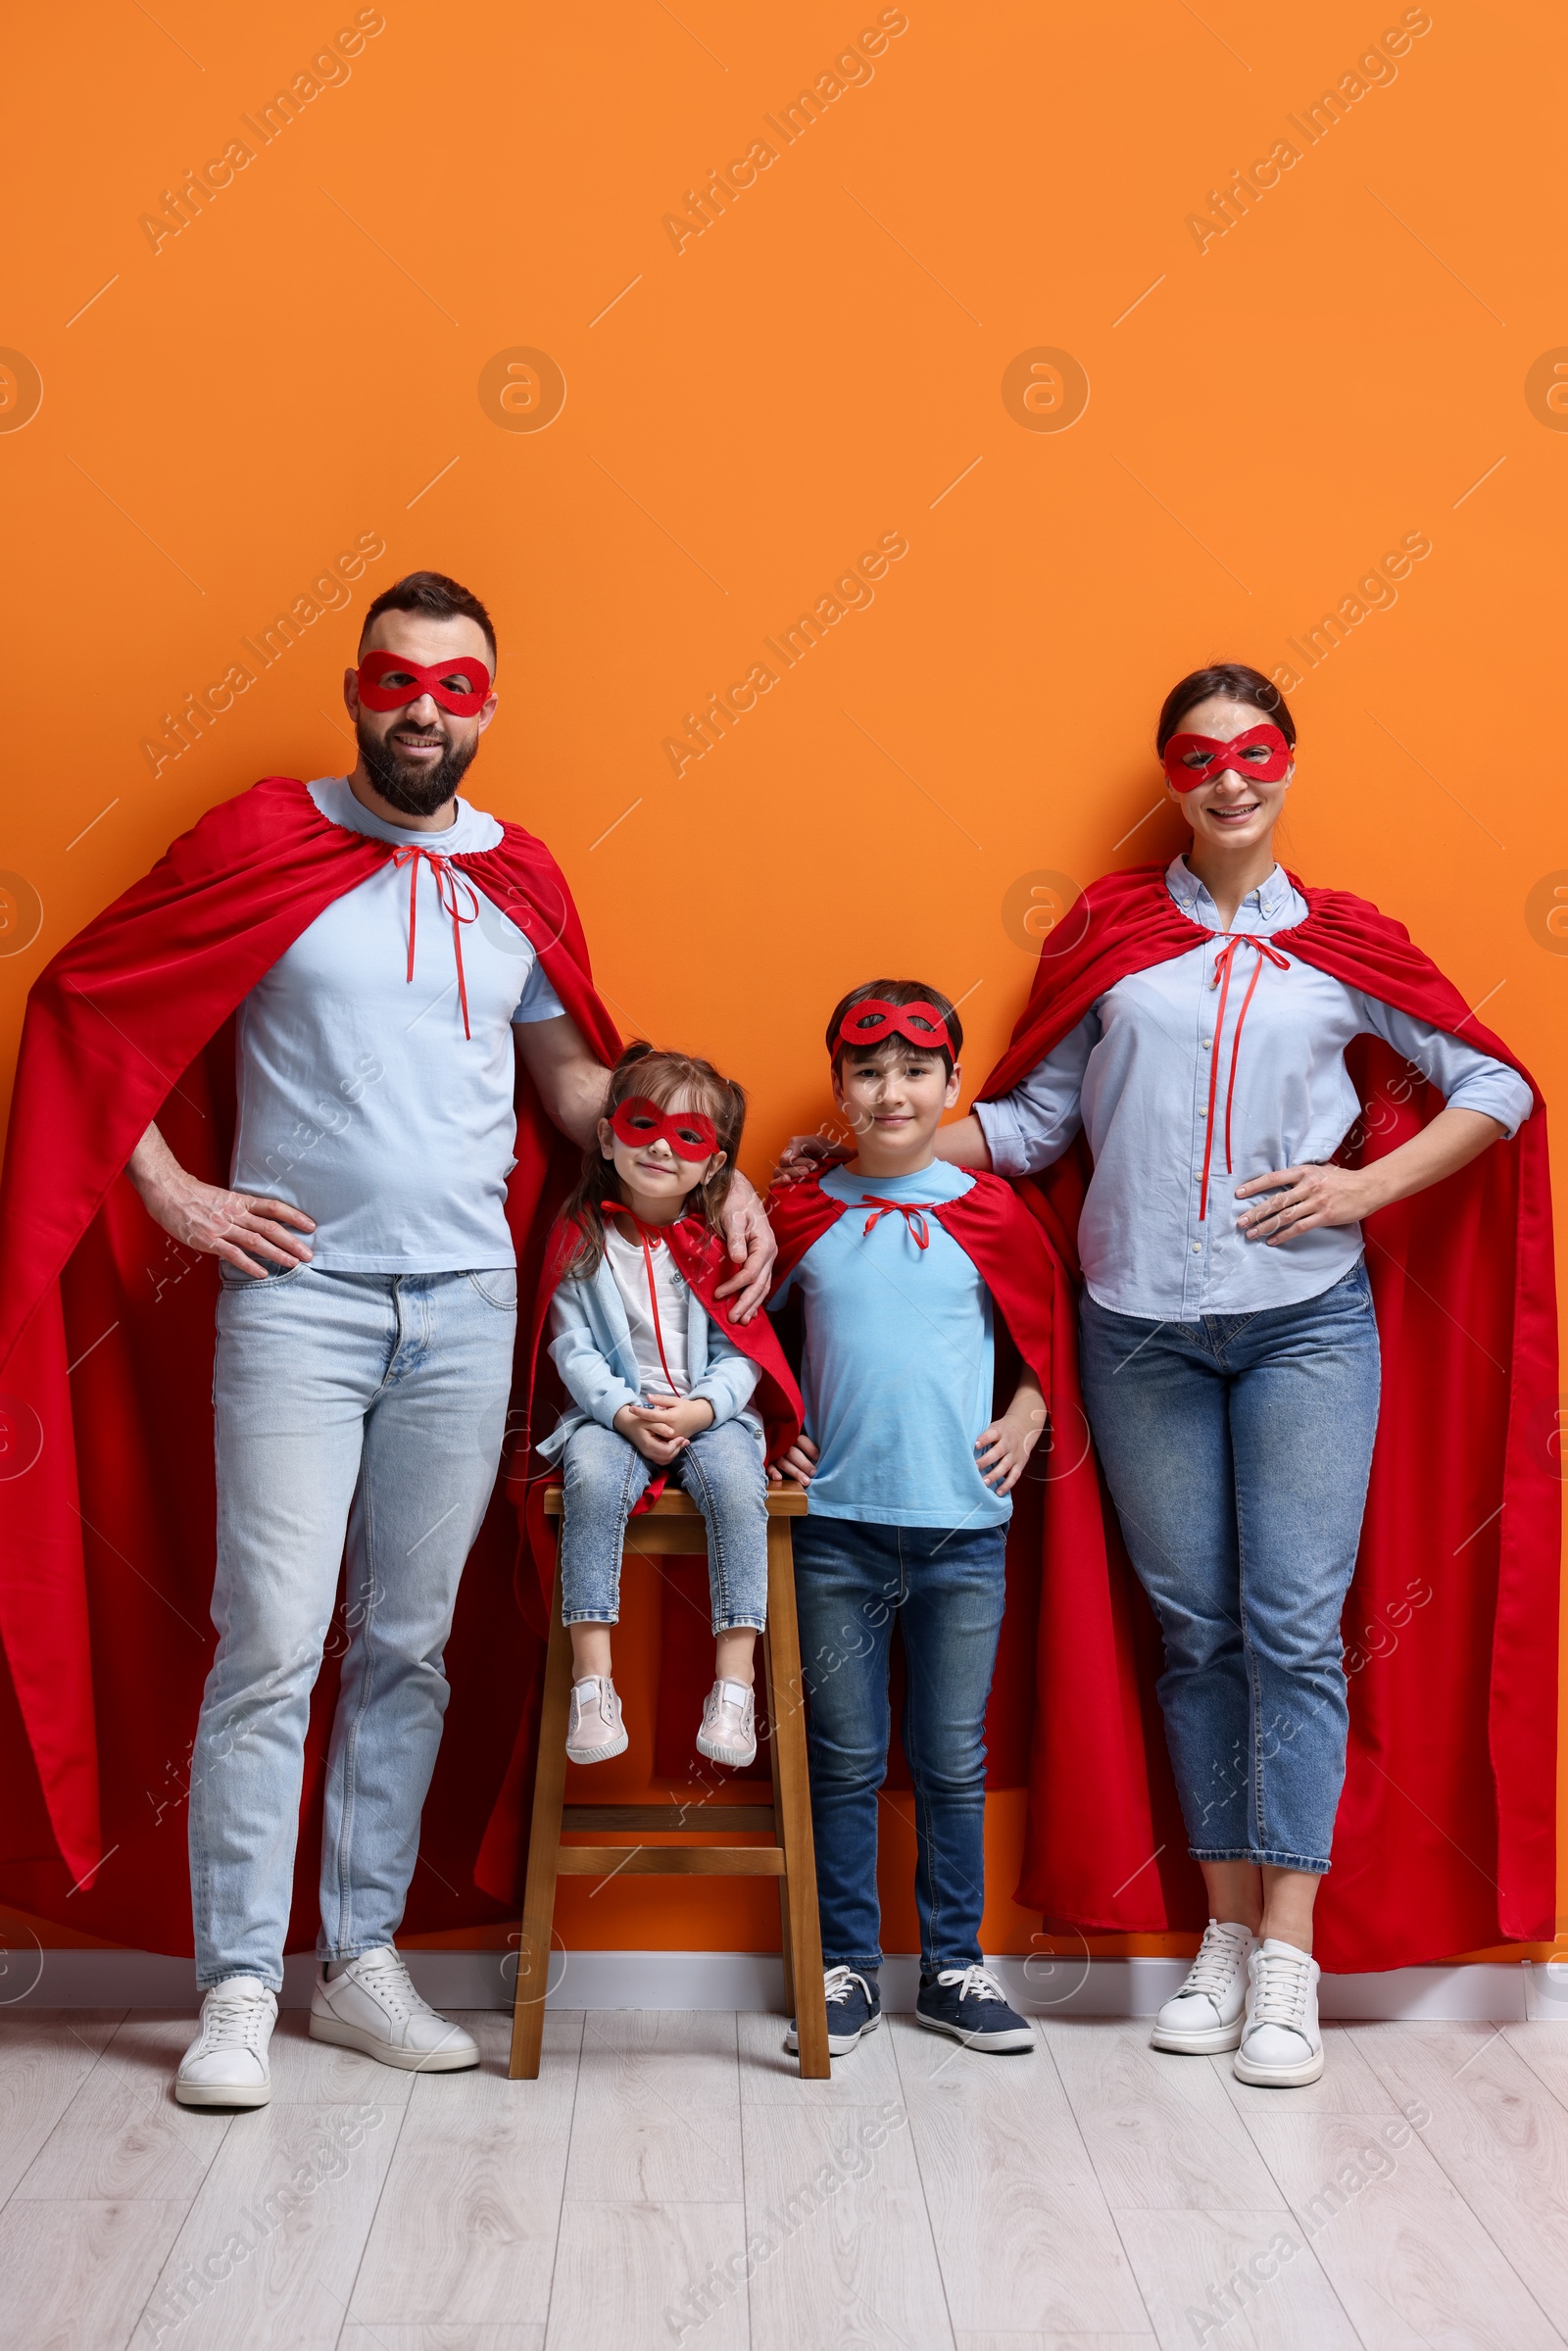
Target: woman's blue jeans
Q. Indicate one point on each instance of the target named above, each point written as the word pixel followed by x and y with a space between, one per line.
pixel 947 1586
pixel 1237 1449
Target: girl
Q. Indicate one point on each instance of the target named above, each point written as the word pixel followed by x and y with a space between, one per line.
pixel 660 1384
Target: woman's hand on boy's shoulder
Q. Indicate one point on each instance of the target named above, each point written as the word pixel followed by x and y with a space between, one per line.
pixel 749 1239
pixel 809 1155
pixel 798 1464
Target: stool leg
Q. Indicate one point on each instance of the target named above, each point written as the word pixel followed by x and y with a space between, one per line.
pixel 785 1950
pixel 544 1846
pixel 787 1700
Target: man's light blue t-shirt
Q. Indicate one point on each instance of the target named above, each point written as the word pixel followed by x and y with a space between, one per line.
pixel 361 1100
pixel 899 1361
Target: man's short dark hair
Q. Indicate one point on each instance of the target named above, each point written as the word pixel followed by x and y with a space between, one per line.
pixel 434 593
pixel 896 992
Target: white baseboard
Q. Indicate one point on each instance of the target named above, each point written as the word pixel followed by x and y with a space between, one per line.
pixel 754 1980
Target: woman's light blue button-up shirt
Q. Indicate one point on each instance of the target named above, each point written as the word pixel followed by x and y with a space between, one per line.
pixel 1134 1075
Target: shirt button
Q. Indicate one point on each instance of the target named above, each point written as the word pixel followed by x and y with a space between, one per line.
pixel 1203 1113
pixel 1197 1245
pixel 1207 1041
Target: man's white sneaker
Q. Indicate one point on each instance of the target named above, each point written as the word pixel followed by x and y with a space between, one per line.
pixel 1281 2048
pixel 594 1729
pixel 226 2064
pixel 729 1725
pixel 374 2007
pixel 1206 2014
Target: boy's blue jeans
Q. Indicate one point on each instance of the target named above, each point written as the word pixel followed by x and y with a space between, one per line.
pixel 947 1586
pixel 1237 1451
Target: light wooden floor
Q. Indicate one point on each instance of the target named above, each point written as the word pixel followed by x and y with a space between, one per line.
pixel 1091 2196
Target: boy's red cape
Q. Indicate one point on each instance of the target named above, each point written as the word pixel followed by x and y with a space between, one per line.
pixel 1445 1836
pixel 686 1655
pixel 106 1356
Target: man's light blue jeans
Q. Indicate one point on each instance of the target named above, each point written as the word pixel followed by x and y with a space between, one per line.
pixel 1237 1451
pixel 363 1413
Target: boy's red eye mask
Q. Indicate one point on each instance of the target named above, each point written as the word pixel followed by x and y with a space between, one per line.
pixel 873 1020
pixel 638 1122
pixel 1193 760
pixel 377 692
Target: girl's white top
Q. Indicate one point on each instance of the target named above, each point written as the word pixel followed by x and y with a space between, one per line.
pixel 623 1253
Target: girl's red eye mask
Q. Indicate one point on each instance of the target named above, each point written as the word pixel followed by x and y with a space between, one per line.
pixel 389 682
pixel 690 1136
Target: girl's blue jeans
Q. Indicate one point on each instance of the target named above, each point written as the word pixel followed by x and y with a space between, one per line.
pixel 721 1468
pixel 1237 1449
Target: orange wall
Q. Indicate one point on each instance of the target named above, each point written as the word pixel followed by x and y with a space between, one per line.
pixel 319 357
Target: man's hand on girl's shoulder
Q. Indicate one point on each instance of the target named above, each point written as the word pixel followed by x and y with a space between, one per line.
pixel 749 1239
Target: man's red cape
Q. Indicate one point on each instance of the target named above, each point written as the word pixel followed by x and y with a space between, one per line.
pixel 686 1654
pixel 1445 1836
pixel 106 1362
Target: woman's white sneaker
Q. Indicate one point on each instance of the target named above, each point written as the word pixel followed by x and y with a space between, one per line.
pixel 594 1731
pixel 374 2007
pixel 729 1725
pixel 1282 2048
pixel 226 2064
pixel 1207 2014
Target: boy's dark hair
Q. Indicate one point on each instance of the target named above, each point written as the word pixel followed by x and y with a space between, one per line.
pixel 434 593
pixel 661 1076
pixel 896 992
pixel 1237 682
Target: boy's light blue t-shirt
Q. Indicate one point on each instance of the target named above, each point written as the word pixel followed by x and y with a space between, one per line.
pixel 899 1361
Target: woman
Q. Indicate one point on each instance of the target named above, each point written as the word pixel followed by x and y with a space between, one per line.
pixel 1196 1024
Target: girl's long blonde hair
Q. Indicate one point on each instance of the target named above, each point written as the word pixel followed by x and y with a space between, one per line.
pixel 661 1076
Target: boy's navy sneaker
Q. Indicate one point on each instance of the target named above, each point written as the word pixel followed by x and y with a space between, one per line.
pixel 970 2004
pixel 854 2007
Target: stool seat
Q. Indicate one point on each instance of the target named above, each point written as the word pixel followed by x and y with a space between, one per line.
pixel 668 1526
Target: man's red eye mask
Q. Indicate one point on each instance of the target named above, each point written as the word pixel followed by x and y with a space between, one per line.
pixel 637 1122
pixel 377 693
pixel 1261 753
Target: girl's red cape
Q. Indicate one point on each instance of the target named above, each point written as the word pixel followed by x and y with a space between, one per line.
pixel 106 1361
pixel 1445 1838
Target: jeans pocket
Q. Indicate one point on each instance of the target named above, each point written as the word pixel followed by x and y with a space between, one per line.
pixel 498 1286
pixel 230 1277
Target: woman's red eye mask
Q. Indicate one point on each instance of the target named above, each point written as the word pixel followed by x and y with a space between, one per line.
pixel 1261 752
pixel 379 692
pixel 637 1122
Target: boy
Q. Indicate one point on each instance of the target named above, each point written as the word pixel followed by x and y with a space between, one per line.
pixel 900 1262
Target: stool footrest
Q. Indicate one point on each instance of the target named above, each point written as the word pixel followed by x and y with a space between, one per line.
pixel 671 1861
pixel 691 1817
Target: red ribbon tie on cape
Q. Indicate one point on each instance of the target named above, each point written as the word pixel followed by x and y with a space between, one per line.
pixel 618 1207
pixel 1224 962
pixel 448 882
pixel 910 1210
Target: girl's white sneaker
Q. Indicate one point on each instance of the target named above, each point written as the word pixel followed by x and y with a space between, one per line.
pixel 1206 2014
pixel 729 1725
pixel 594 1729
pixel 1281 2048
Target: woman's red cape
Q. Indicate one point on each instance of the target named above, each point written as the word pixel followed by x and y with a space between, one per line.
pixel 1445 1837
pixel 105 1365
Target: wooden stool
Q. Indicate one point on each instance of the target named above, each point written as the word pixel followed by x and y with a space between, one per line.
pixel 790 1858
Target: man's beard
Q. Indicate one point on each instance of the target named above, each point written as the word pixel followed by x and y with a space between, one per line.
pixel 416 792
